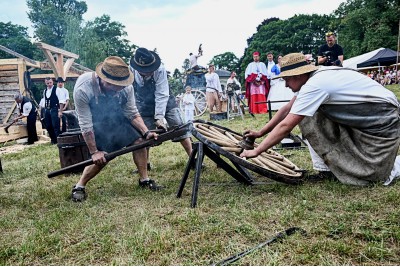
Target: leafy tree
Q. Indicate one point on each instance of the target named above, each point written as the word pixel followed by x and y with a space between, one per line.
pixel 186 64
pixel 226 61
pixel 16 38
pixel 85 43
pixel 368 25
pixel 50 17
pixel 111 33
pixel 175 85
pixel 177 74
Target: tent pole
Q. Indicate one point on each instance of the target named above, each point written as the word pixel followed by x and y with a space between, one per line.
pixel 397 58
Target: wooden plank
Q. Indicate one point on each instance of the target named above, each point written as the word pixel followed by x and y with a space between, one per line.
pixel 5 93
pixel 54 49
pixel 38 77
pixel 8 67
pixel 8 79
pixel 52 62
pixel 21 70
pixel 8 86
pixel 9 61
pixel 8 73
pixel 67 66
pixel 10 112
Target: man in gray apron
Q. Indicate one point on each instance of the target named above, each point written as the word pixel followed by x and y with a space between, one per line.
pixel 351 122
pixel 109 120
pixel 155 102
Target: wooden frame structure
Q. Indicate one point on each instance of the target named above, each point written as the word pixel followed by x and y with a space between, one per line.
pixel 13 75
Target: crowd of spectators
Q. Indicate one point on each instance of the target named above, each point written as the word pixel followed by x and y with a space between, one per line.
pixel 385 76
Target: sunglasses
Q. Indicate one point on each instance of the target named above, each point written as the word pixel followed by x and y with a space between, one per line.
pixel 329 34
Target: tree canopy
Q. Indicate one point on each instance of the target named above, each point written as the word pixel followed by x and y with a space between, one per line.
pixel 50 17
pixel 16 38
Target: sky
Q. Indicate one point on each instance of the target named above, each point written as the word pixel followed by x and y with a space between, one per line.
pixel 177 27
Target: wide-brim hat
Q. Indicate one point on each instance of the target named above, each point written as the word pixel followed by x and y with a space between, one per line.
pixel 115 71
pixel 145 61
pixel 295 64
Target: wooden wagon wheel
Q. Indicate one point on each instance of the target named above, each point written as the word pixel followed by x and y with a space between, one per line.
pixel 200 104
pixel 226 142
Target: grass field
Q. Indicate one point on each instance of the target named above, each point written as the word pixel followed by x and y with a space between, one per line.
pixel 122 224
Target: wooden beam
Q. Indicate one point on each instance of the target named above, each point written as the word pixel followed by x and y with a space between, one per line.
pixel 52 62
pixel 67 66
pixel 5 49
pixel 51 75
pixel 53 49
pixel 14 105
pixel 21 70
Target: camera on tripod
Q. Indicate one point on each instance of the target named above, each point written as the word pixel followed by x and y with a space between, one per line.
pixel 231 88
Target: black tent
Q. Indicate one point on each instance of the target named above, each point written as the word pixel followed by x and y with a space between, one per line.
pixel 384 57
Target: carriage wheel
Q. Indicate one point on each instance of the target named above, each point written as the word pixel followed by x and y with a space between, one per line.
pixel 200 104
pixel 225 142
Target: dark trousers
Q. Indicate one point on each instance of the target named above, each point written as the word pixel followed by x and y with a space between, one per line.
pixel 52 122
pixel 31 127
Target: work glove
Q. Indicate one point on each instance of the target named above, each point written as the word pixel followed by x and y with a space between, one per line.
pixel 160 124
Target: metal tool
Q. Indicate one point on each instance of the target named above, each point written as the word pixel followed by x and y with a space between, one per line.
pixel 276 238
pixel 181 130
pixel 8 126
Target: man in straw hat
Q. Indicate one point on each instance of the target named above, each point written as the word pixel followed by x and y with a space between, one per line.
pixel 109 119
pixel 350 121
pixel 154 99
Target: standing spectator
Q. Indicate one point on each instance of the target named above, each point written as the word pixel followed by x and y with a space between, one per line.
pixel 54 103
pixel 330 54
pixel 27 110
pixel 60 84
pixel 233 84
pixel 188 103
pixel 213 89
pixel 256 80
pixel 270 65
pixel 155 102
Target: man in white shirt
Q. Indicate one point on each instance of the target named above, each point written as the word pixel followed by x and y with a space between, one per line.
pixel 351 122
pixel 60 84
pixel 270 64
pixel 54 103
pixel 27 110
pixel 213 89
pixel 154 100
pixel 193 61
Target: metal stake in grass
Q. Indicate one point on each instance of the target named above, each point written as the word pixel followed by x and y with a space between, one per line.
pixel 276 238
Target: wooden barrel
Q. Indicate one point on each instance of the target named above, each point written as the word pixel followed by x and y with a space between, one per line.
pixel 72 149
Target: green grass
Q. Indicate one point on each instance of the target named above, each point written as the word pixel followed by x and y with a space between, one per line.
pixel 122 224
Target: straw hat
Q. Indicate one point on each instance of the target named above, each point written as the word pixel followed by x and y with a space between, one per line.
pixel 115 71
pixel 295 64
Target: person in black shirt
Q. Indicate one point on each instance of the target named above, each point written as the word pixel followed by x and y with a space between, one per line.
pixel 330 54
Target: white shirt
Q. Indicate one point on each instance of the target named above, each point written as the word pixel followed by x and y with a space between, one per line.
pixel 213 83
pixel 65 93
pixel 270 64
pixel 59 93
pixel 26 109
pixel 255 67
pixel 339 86
pixel 162 90
pixel 188 101
pixel 193 60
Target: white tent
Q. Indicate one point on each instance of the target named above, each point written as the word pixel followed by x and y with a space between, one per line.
pixel 352 62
